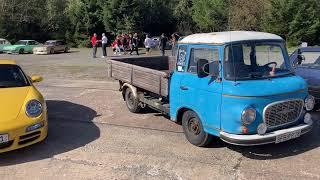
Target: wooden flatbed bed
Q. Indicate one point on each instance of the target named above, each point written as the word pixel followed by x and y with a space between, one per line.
pixel 147 73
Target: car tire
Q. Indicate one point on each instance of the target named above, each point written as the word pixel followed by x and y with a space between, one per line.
pixel 131 101
pixel 21 51
pixel 193 129
pixel 51 51
pixel 316 107
pixel 66 49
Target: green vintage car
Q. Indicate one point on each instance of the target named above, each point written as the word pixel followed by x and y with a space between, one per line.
pixel 22 46
pixel 3 43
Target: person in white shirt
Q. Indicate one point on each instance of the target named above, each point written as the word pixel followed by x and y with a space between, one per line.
pixel 104 41
pixel 147 44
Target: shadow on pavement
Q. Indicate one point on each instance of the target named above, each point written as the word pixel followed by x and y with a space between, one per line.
pixel 68 52
pixel 70 127
pixel 294 147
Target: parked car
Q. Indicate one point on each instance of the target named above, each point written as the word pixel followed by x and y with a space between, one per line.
pixel 306 62
pixel 155 42
pixel 3 43
pixel 51 47
pixel 240 89
pixel 22 46
pixel 23 110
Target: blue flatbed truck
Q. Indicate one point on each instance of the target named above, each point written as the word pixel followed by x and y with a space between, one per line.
pixel 236 85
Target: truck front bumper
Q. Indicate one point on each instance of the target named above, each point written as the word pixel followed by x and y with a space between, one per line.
pixel 271 137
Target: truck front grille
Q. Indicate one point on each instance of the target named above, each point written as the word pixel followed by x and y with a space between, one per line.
pixel 282 113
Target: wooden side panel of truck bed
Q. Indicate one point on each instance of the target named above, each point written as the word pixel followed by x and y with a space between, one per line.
pixel 155 81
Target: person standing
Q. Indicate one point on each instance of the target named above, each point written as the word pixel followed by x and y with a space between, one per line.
pixel 94 43
pixel 134 42
pixel 104 45
pixel 147 44
pixel 174 40
pixel 163 44
pixel 124 42
pixel 118 45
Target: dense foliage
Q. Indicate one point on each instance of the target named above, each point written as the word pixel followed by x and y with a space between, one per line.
pixel 75 20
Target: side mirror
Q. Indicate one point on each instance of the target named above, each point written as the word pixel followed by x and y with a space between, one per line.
pixel 36 79
pixel 203 68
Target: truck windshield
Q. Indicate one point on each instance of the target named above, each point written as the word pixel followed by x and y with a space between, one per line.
pixel 12 76
pixel 251 60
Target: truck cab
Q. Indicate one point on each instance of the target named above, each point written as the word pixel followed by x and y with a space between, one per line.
pixel 238 86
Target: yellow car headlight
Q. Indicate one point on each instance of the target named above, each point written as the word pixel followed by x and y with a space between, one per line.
pixel 34 108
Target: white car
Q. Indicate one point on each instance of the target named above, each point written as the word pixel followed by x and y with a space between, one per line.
pixel 51 47
pixel 155 42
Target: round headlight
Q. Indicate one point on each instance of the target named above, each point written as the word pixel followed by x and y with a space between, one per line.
pixel 309 103
pixel 34 108
pixel 248 115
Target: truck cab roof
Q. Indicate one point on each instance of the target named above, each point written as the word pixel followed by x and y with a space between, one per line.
pixel 228 37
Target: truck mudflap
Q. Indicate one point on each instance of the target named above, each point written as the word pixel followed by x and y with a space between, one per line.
pixel 271 137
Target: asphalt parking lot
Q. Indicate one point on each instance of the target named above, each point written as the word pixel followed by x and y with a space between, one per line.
pixel 92 135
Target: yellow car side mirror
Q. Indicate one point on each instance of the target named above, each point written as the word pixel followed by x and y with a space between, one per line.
pixel 36 79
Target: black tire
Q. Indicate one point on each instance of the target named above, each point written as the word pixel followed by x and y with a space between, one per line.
pixel 316 107
pixel 131 101
pixel 21 51
pixel 193 129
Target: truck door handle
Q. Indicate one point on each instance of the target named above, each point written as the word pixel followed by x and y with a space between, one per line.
pixel 184 88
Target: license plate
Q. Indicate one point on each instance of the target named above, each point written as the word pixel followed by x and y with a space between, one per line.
pixel 288 136
pixel 4 138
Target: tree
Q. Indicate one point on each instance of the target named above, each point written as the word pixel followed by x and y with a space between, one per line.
pixel 153 16
pixel 277 17
pixel 57 22
pixel 247 14
pixel 183 15
pixel 210 15
pixel 305 25
pixel 120 15
pixel 21 19
pixel 84 16
pixel 295 20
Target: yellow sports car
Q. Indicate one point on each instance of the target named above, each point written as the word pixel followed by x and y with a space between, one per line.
pixel 23 111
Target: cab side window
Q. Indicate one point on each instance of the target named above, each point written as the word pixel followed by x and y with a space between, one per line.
pixel 212 55
pixel 182 56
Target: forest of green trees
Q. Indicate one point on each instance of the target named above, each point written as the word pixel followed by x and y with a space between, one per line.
pixel 75 20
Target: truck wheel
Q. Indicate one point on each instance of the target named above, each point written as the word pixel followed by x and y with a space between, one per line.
pixel 131 101
pixel 193 129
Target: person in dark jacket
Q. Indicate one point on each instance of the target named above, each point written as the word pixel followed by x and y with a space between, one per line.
pixel 134 41
pixel 163 43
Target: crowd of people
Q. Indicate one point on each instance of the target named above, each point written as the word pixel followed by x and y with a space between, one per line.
pixel 130 43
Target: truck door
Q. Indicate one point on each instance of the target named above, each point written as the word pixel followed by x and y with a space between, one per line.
pixel 202 95
pixel 175 80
